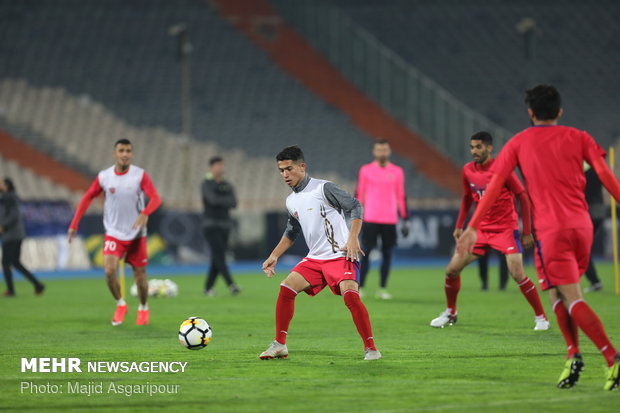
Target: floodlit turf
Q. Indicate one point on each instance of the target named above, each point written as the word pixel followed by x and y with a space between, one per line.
pixel 490 361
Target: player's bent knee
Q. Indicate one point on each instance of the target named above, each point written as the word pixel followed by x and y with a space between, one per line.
pixel 348 285
pixel 517 272
pixel 452 271
pixel 296 281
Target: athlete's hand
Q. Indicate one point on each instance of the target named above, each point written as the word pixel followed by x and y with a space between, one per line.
pixel 457 233
pixel 70 234
pixel 353 249
pixel 465 243
pixel 527 241
pixel 269 266
pixel 404 229
pixel 140 221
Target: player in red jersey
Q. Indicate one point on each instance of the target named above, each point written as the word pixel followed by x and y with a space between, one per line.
pixel 124 219
pixel 499 230
pixel 551 158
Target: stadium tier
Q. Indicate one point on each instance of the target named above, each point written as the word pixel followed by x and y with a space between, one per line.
pixel 487 53
pixel 82 74
pixel 83 129
pixel 34 186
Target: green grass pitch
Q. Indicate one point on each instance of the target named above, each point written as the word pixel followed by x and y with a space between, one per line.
pixel 490 361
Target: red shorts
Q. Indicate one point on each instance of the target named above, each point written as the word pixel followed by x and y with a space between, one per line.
pixel 134 251
pixel 507 242
pixel 320 273
pixel 562 256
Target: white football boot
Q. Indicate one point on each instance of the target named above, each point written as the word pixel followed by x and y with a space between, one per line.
pixel 541 323
pixel 372 354
pixel 445 319
pixel 274 351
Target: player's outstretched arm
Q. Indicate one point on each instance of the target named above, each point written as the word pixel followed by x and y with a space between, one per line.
pixel 92 192
pixel 343 201
pixel 466 201
pixel 527 239
pixel 292 231
pixel 516 187
pixel 607 177
pixel 465 243
pixel 269 266
pixel 154 202
pixel 352 247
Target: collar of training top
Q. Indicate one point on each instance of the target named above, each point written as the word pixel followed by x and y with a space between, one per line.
pixel 303 184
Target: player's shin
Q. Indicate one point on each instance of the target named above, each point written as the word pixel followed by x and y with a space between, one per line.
pixel 589 323
pixel 285 308
pixel 360 317
pixel 568 327
pixel 142 284
pixel 452 288
pixel 528 289
pixel 113 284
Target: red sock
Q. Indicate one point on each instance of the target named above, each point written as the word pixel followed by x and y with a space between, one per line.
pixel 285 308
pixel 360 317
pixel 588 321
pixel 567 327
pixel 452 287
pixel 531 295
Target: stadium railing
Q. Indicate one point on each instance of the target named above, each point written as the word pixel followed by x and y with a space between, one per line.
pixel 399 87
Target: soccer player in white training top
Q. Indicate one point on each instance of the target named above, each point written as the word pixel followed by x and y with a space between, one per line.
pixel 124 218
pixel 316 209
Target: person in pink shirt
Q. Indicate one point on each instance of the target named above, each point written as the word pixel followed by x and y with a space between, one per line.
pixel 381 190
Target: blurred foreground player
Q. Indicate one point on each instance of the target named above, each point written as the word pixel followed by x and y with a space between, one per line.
pixel 316 209
pixel 381 190
pixel 499 230
pixel 124 218
pixel 12 233
pixel 551 158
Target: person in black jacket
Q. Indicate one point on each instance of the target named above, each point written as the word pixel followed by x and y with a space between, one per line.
pixel 218 197
pixel 13 232
pixel 483 268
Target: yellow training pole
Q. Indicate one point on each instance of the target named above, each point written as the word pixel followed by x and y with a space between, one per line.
pixel 122 276
pixel 614 229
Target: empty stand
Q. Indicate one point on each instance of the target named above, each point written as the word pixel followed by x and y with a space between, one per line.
pixel 474 50
pixel 84 74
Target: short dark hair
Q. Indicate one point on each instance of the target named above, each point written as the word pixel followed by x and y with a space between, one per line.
pixel 291 153
pixel 123 141
pixel 215 159
pixel 483 136
pixel 381 141
pixel 10 186
pixel 545 101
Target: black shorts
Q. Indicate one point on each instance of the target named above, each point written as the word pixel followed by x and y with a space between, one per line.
pixel 371 231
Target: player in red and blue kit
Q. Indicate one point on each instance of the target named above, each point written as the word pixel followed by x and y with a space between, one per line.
pixel 551 158
pixel 124 218
pixel 499 230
